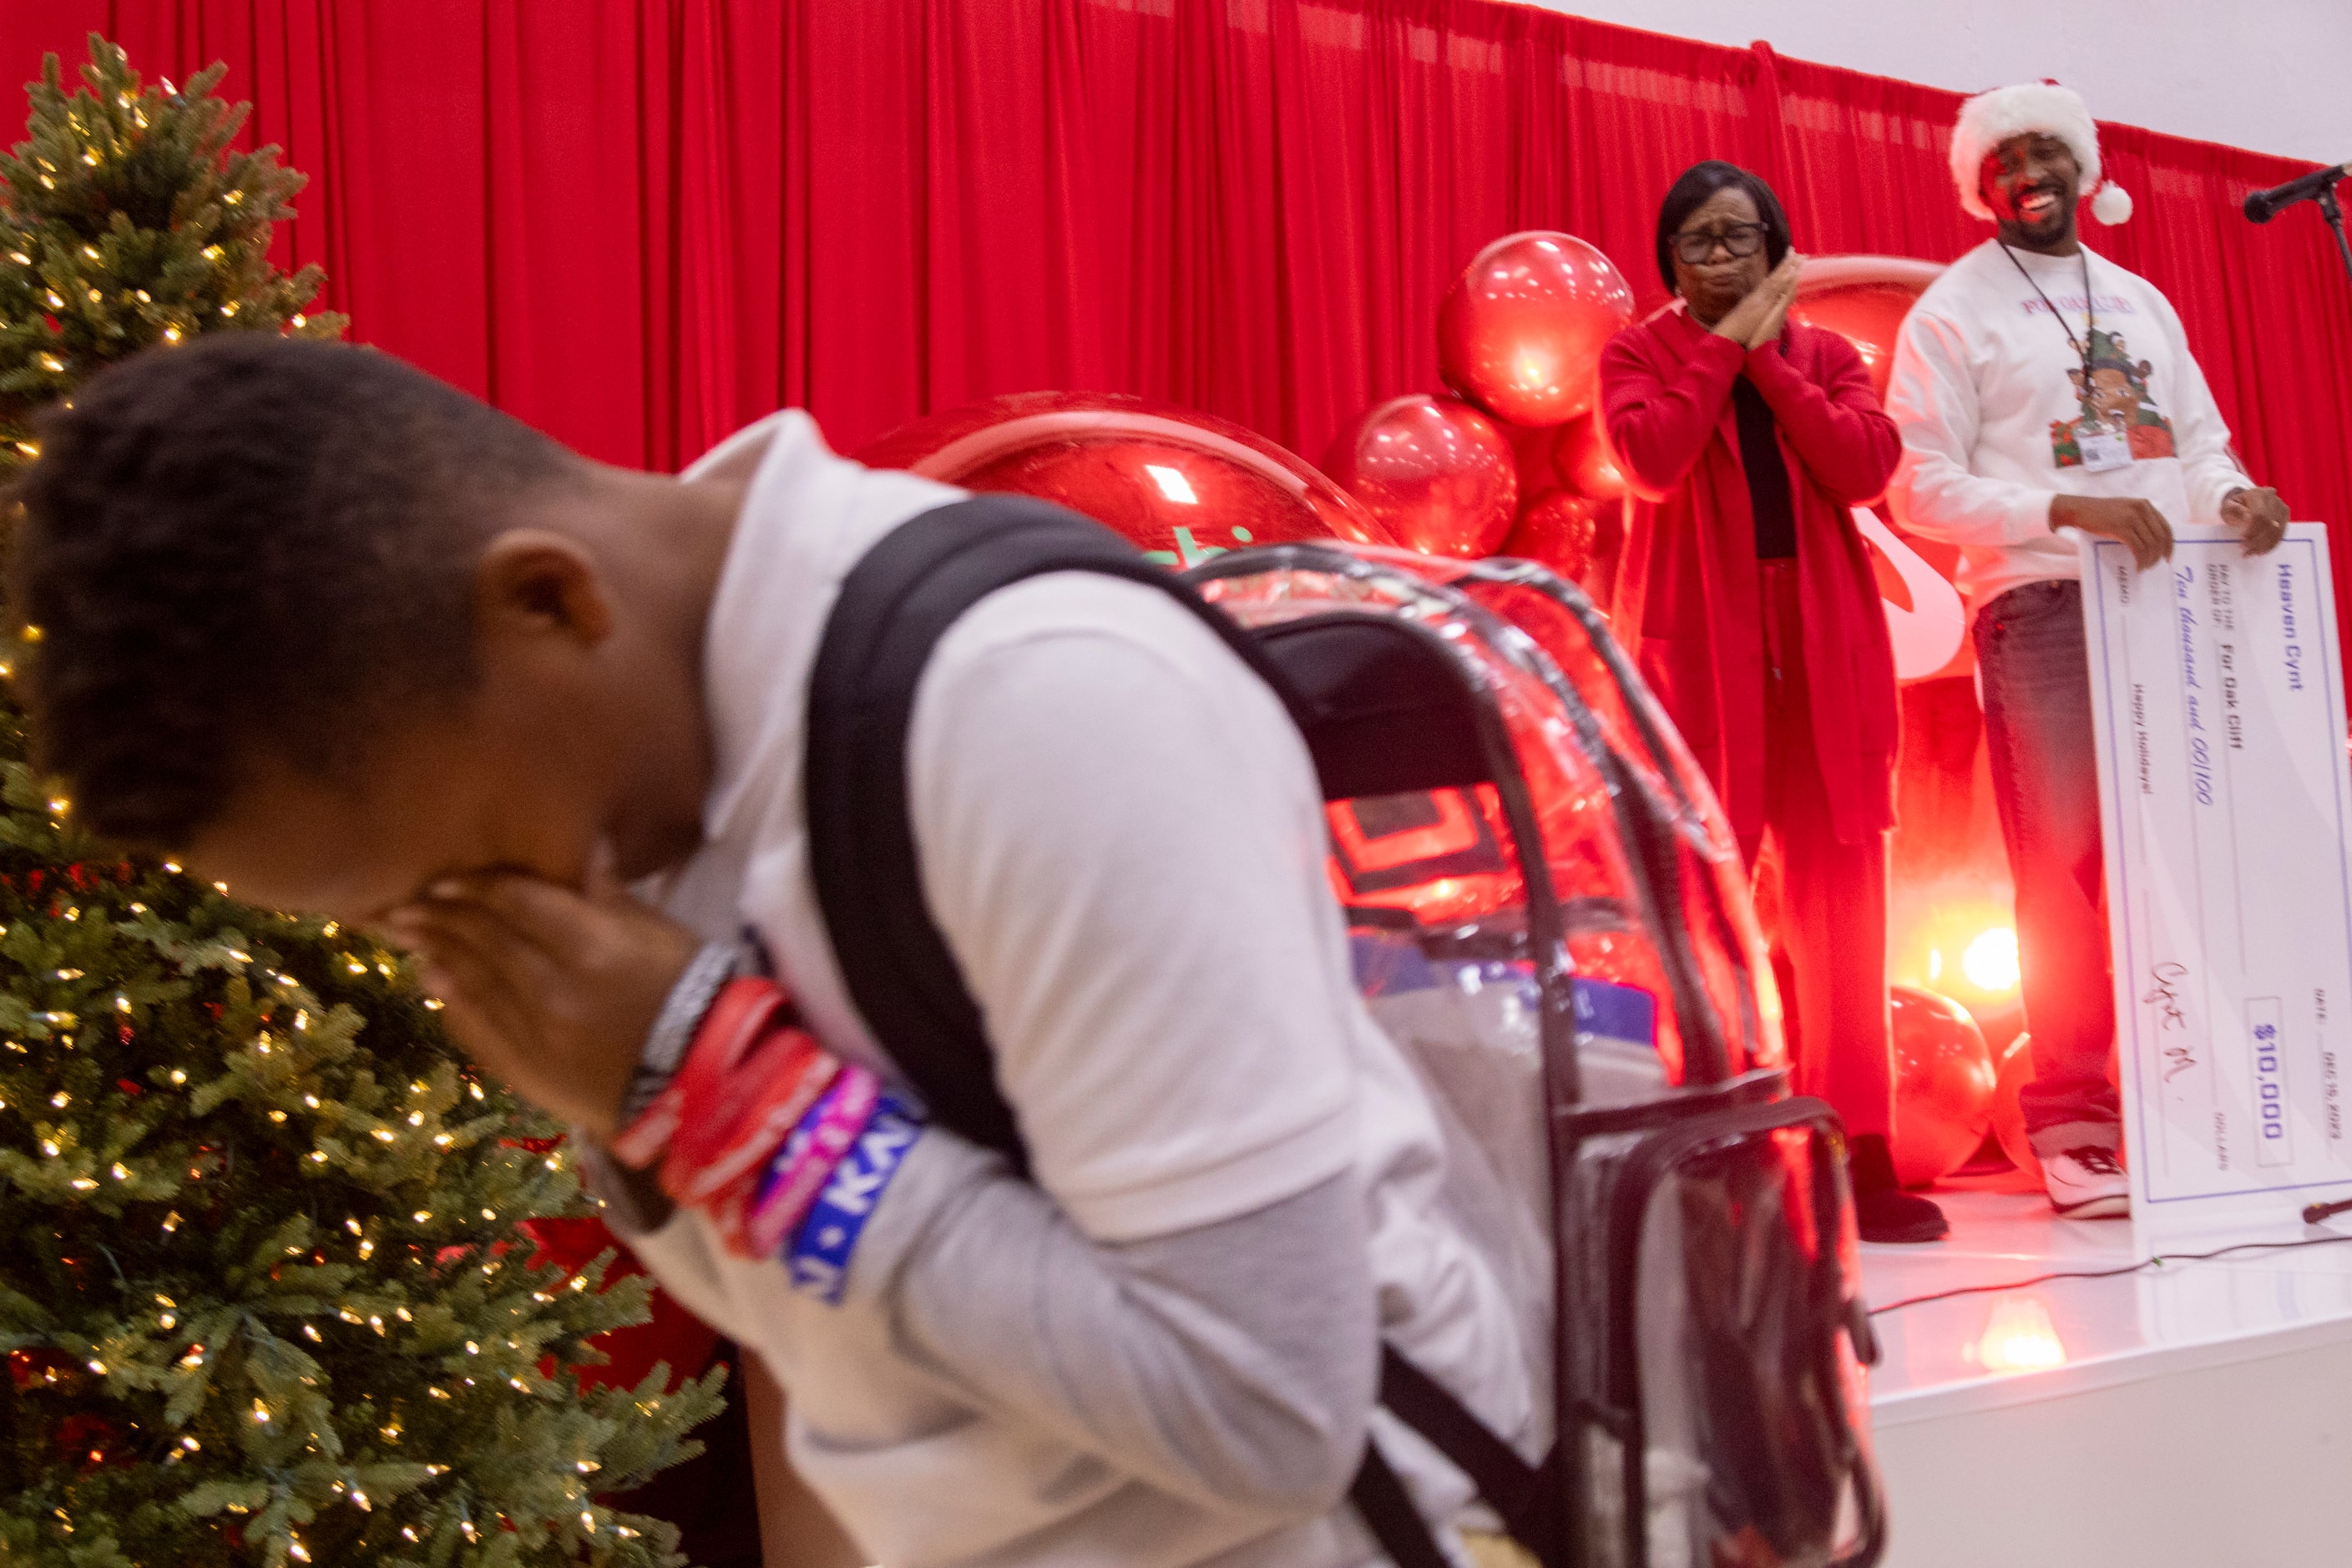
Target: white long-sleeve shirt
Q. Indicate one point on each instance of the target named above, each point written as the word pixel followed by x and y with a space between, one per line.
pixel 1986 394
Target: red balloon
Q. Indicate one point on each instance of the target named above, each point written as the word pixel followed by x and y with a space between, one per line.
pixel 1943 1085
pixel 1535 450
pixel 1586 462
pixel 2015 1071
pixel 1521 330
pixel 1559 531
pixel 1436 472
pixel 1182 485
pixel 1864 300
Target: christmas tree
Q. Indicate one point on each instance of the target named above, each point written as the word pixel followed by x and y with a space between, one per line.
pixel 265 1294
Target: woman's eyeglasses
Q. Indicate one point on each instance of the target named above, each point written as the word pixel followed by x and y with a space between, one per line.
pixel 1740 240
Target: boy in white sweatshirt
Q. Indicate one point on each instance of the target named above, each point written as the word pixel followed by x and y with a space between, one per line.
pixel 358 644
pixel 2041 389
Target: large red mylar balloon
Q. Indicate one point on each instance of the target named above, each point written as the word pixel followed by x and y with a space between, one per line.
pixel 1585 460
pixel 1182 485
pixel 1943 1085
pixel 1436 472
pixel 1560 530
pixel 1521 330
pixel 1864 300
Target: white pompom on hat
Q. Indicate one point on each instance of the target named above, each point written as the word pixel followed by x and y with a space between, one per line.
pixel 1989 118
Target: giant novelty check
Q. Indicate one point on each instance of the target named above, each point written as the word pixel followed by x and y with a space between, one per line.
pixel 2226 801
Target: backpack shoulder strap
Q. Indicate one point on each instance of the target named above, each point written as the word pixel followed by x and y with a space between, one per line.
pixel 894 605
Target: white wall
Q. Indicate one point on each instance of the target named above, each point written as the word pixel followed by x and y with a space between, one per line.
pixel 2271 75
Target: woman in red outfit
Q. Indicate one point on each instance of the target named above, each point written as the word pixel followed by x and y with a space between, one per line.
pixel 1748 593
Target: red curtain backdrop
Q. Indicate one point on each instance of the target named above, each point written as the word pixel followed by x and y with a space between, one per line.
pixel 640 223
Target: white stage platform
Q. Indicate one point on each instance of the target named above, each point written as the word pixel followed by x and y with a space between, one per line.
pixel 2189 1416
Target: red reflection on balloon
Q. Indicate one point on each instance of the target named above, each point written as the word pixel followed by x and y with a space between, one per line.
pixel 1521 330
pixel 1560 530
pixel 1864 300
pixel 1943 1085
pixel 1586 462
pixel 1182 485
pixel 1436 472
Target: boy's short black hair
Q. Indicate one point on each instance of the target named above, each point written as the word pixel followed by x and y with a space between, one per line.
pixel 249 545
pixel 1689 192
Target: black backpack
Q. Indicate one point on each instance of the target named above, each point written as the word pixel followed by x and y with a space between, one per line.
pixel 1574 973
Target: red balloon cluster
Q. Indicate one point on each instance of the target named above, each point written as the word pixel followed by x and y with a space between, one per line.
pixel 1434 470
pixel 1519 336
pixel 1182 485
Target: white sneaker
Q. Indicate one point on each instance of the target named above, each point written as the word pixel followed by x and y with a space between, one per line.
pixel 2087 1182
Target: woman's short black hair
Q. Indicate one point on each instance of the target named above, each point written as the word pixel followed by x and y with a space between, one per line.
pixel 1690 193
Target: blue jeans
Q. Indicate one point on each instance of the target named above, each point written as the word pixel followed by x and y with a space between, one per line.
pixel 2045 782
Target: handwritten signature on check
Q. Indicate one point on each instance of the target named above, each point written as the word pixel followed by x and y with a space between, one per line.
pixel 2164 995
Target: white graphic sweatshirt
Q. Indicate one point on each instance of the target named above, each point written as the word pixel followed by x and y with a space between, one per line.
pixel 1998 417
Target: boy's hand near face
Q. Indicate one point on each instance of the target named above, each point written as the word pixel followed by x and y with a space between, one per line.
pixel 552 989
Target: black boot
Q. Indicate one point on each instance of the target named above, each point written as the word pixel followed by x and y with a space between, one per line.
pixel 1882 1209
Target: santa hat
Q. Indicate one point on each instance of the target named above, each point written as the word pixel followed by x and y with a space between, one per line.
pixel 2044 108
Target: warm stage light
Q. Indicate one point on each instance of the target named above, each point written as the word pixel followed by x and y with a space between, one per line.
pixel 1991 961
pixel 2019 1337
pixel 1956 936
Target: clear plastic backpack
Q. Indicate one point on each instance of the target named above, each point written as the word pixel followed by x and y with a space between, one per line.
pixel 1551 917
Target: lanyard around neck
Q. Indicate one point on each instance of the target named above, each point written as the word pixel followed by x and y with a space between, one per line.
pixel 2090 312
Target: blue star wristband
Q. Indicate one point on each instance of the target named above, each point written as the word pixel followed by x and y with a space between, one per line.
pixel 818 1258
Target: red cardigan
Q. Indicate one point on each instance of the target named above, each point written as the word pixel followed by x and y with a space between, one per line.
pixel 1686 593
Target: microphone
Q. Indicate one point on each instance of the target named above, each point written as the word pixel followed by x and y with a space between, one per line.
pixel 2264 205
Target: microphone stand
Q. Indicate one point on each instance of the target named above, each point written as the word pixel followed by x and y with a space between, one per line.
pixel 2332 211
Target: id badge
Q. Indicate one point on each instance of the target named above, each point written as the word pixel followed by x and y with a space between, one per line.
pixel 2106 449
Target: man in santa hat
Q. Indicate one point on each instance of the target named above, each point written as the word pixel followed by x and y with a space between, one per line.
pixel 2008 383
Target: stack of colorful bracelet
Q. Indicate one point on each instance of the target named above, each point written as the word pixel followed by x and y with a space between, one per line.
pixel 782 1144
